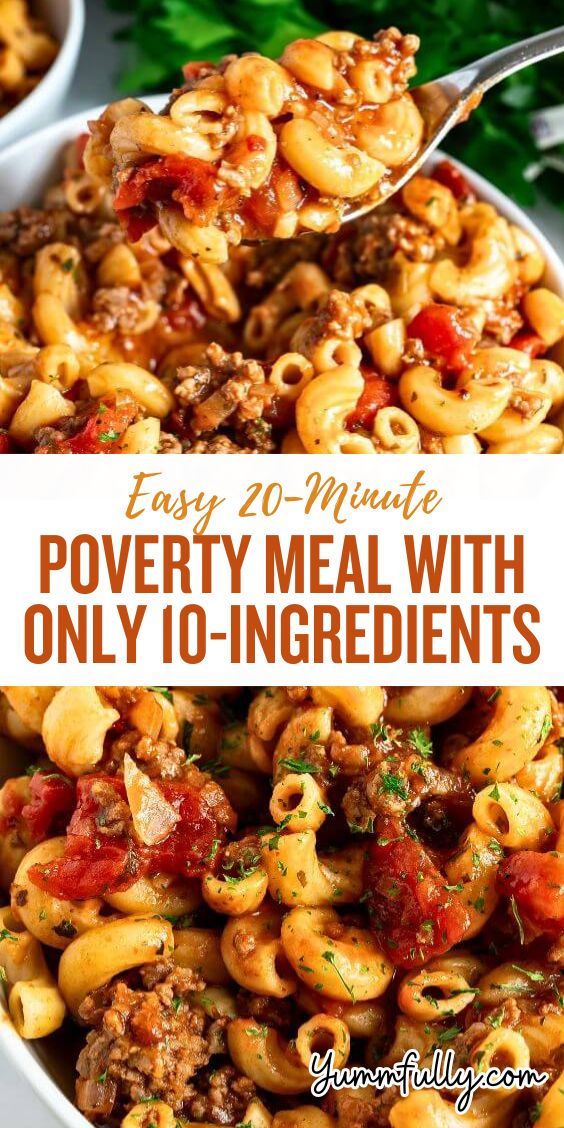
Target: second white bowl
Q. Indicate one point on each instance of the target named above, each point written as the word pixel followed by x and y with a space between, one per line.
pixel 65 20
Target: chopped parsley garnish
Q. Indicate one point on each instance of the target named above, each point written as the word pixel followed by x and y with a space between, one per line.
pixel 213 849
pixel 275 831
pixel 534 976
pixel 379 731
pixel 545 728
pixel 393 784
pixel 330 958
pixel 493 696
pixel 299 765
pixel 496 1020
pixel 5 934
pixel 162 689
pixel 517 916
pixel 33 769
pixel 187 730
pixel 421 742
pixel 243 866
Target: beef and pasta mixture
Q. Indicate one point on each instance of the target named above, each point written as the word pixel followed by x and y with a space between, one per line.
pixel 213 884
pixel 426 326
pixel 26 52
pixel 254 149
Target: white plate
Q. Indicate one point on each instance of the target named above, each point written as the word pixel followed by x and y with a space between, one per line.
pixel 27 168
pixel 65 20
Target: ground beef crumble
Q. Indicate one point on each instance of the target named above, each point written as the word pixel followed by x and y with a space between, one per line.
pixel 226 389
pixel 151 1040
pixel 159 759
pixel 364 251
pixel 25 231
pixel 356 1111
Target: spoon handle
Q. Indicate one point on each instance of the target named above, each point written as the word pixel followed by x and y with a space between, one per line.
pixel 487 72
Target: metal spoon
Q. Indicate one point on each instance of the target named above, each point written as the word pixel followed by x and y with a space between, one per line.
pixel 447 101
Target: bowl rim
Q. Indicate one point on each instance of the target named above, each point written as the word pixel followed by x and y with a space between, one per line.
pixel 63 63
pixel 11 1045
pixel 14 1049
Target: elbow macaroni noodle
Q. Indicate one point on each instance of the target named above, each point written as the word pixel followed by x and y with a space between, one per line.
pixel 254 147
pixel 433 918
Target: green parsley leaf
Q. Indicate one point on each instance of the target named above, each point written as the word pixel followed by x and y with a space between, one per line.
pixel 518 920
pixel 162 689
pixel 330 959
pixel 449 1034
pixel 422 743
pixel 393 784
pixel 299 765
pixel 534 976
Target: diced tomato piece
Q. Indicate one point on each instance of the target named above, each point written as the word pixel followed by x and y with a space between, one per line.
pixel 412 913
pixel 178 423
pixel 136 222
pixel 255 143
pixel 528 342
pixel 80 145
pixel 448 174
pixel 96 862
pixel 443 335
pixel 51 804
pixel 193 71
pixel 536 881
pixel 90 873
pixel 189 849
pixel 190 315
pixel 281 192
pixel 186 180
pixel 5 443
pixel 98 434
pixel 378 392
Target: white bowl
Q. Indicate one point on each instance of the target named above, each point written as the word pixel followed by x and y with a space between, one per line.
pixel 27 168
pixel 44 1064
pixel 65 20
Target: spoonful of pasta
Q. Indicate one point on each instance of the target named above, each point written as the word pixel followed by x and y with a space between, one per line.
pixel 252 150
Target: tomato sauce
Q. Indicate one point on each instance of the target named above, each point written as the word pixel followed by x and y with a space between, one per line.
pixel 103 858
pixel 412 912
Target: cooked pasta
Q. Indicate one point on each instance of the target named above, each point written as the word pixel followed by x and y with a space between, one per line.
pixel 399 884
pixel 254 148
pixel 425 327
pixel 26 52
